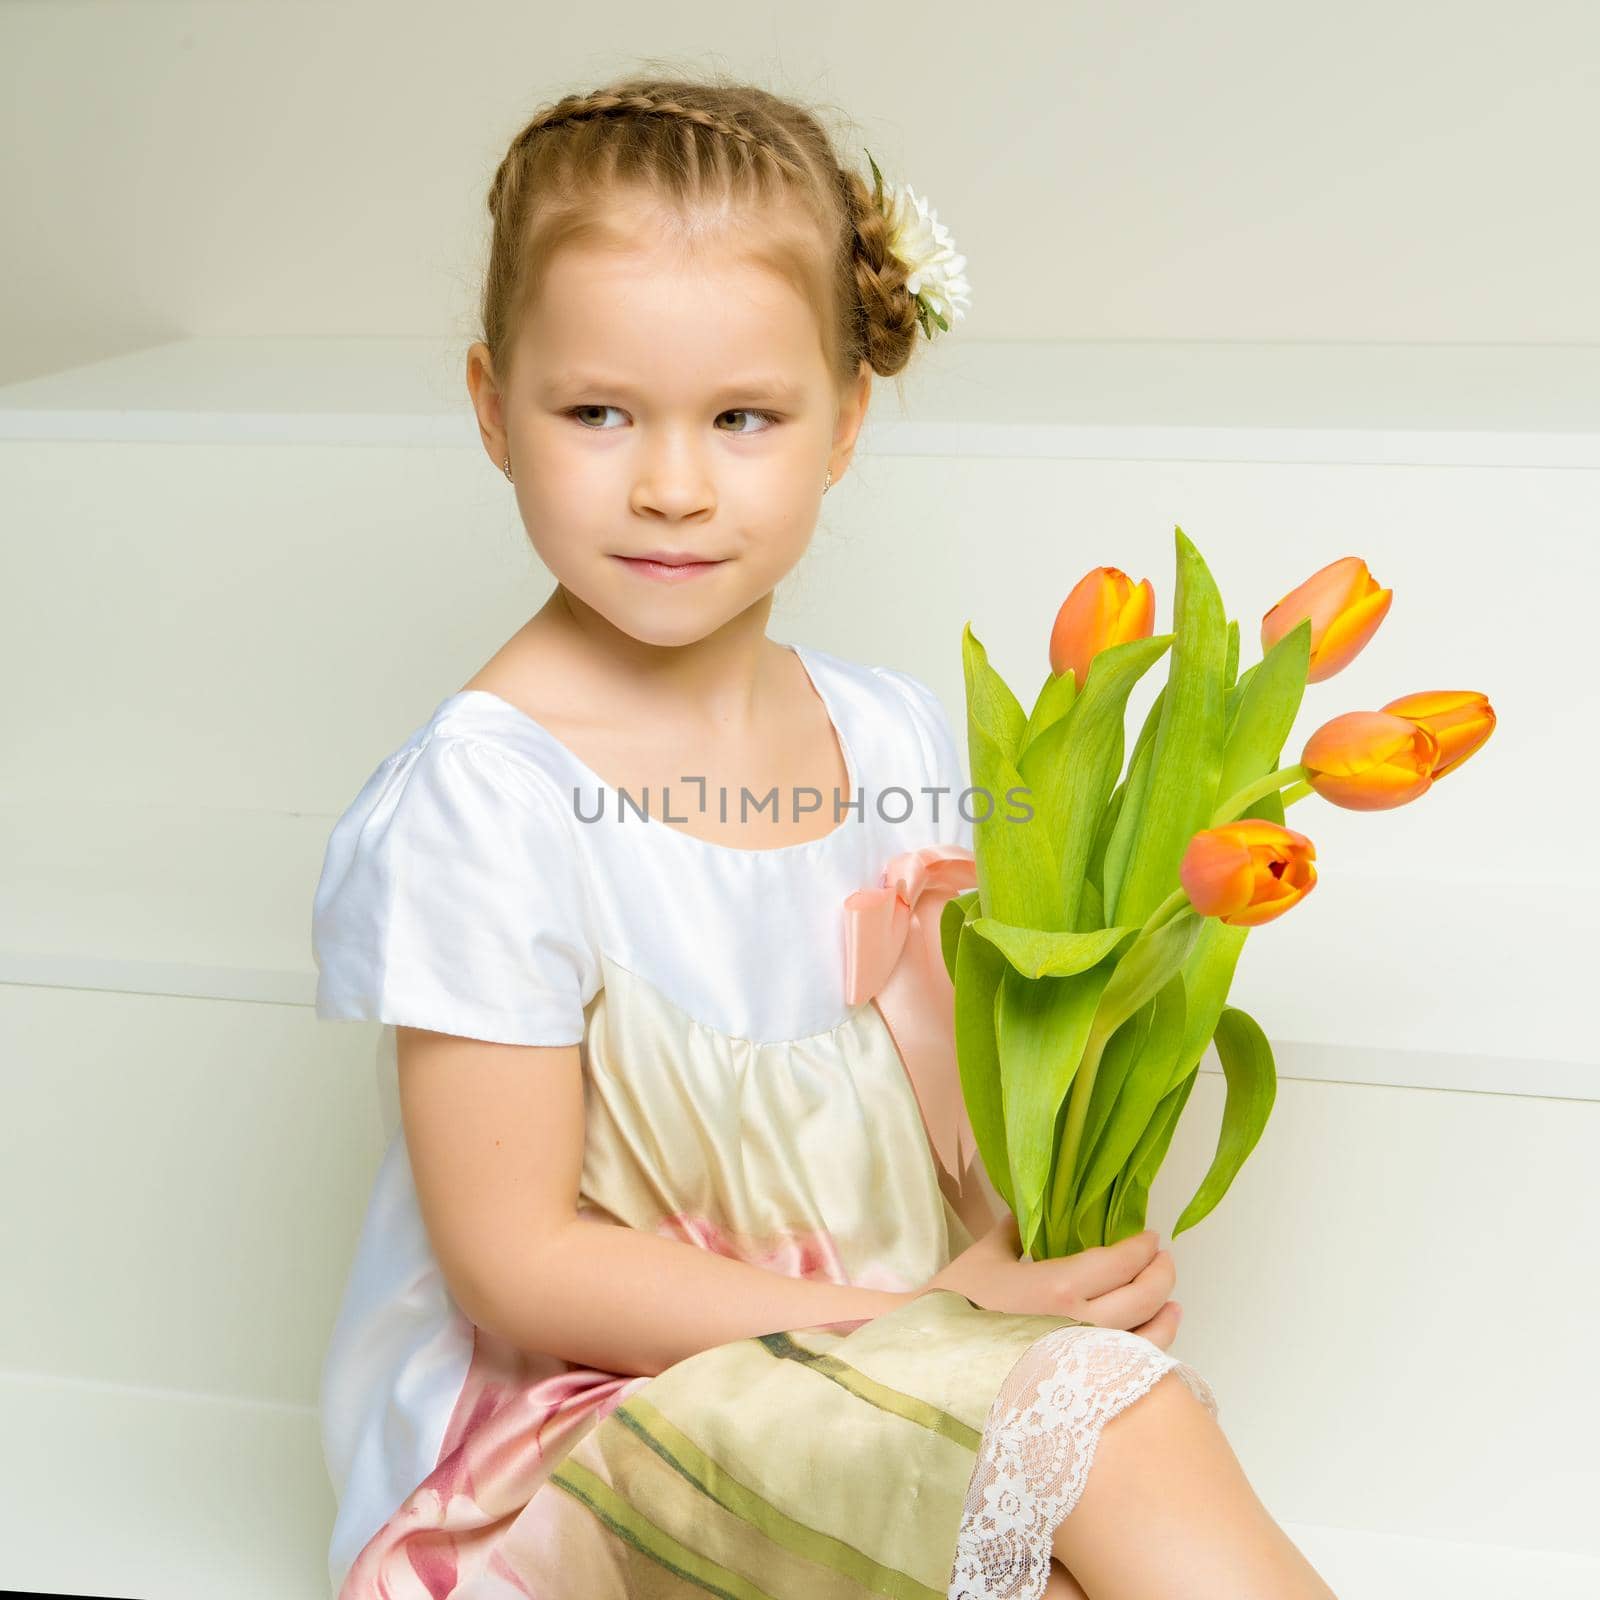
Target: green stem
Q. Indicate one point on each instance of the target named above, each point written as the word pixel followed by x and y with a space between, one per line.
pixel 1247 796
pixel 1072 1135
pixel 1173 903
pixel 1295 792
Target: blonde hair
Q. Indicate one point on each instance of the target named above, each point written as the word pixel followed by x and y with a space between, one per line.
pixel 708 152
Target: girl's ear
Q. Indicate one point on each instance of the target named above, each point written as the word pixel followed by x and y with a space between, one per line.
pixel 486 401
pixel 852 413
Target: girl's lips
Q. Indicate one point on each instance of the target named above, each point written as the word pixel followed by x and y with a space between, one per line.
pixel 663 573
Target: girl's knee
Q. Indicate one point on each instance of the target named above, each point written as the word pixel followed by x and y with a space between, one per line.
pixel 1168 1405
pixel 1061 1585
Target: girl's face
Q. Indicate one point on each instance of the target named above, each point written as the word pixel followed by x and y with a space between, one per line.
pixel 662 401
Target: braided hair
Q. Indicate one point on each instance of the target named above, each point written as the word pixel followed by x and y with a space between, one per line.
pixel 699 148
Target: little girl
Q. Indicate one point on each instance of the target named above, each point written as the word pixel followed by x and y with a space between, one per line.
pixel 680 1277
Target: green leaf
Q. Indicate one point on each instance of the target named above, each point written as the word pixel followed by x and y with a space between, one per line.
pixel 1148 966
pixel 1131 1192
pixel 1094 874
pixel 1207 976
pixel 1125 1207
pixel 1088 1225
pixel 1016 867
pixel 877 181
pixel 1235 699
pixel 1116 1061
pixel 1142 1090
pixel 1247 1063
pixel 1152 720
pixel 1145 969
pixel 1187 747
pixel 1120 845
pixel 1053 702
pixel 1130 806
pixel 1036 953
pixel 990 703
pixel 1041 1026
pixel 1017 878
pixel 1091 909
pixel 957 909
pixel 1230 670
pixel 979 967
pixel 1265 713
pixel 1072 766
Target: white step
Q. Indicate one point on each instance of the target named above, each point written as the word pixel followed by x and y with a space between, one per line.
pixel 180 1497
pixel 161 1495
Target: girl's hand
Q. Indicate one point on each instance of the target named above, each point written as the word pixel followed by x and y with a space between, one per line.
pixel 1122 1285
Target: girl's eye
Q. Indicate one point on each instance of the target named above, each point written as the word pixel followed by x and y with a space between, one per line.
pixel 768 417
pixel 574 410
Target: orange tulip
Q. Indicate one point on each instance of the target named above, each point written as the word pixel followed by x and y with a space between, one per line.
pixel 1247 872
pixel 1370 760
pixel 1106 607
pixel 1345 605
pixel 1460 719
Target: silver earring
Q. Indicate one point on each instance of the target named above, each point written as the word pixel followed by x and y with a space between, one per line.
pixel 828 481
pixel 508 469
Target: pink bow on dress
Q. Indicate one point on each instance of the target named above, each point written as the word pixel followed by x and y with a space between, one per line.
pixel 892 956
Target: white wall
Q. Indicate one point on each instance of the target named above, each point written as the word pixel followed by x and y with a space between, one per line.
pixel 1243 169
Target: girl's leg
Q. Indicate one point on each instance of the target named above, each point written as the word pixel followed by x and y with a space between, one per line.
pixel 1061 1585
pixel 1167 1510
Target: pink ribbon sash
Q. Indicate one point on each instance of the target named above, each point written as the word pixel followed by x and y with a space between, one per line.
pixel 893 957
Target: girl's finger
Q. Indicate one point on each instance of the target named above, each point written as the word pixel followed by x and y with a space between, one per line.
pixel 1162 1328
pixel 1104 1267
pixel 1133 1303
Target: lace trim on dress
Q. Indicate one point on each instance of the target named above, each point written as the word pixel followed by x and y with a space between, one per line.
pixel 1038 1445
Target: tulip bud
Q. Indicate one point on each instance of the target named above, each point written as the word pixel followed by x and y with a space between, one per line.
pixel 1106 607
pixel 1345 606
pixel 1247 872
pixel 1370 760
pixel 1460 719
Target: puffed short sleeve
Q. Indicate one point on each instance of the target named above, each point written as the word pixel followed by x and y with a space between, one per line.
pixel 943 758
pixel 452 898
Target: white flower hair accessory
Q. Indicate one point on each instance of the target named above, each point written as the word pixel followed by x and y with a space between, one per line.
pixel 935 273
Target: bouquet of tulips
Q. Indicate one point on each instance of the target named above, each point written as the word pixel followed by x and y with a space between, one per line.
pixel 1093 960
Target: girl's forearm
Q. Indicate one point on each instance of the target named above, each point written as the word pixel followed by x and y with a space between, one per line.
pixel 622 1300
